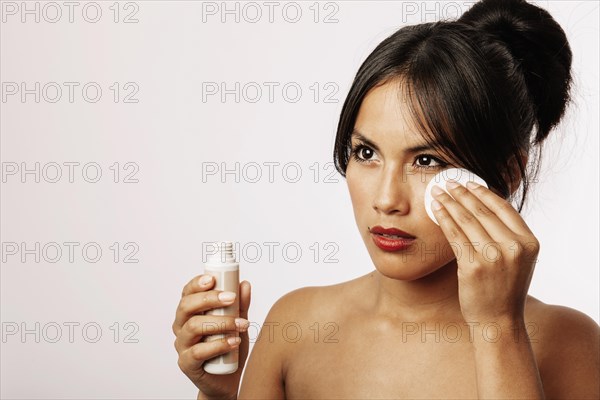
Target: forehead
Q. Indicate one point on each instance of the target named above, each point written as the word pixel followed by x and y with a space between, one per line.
pixel 384 114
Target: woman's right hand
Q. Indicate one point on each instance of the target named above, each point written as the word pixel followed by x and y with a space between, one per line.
pixel 191 326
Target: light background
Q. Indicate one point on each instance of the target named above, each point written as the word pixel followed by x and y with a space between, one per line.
pixel 171 134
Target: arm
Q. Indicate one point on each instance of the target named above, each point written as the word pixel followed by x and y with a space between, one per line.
pixel 263 377
pixel 568 359
pixel 505 363
pixel 496 288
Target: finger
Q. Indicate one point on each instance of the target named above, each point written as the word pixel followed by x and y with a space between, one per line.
pixel 245 294
pixel 191 360
pixel 245 297
pixel 502 209
pixel 196 303
pixel 197 284
pixel 455 221
pixel 495 229
pixel 200 326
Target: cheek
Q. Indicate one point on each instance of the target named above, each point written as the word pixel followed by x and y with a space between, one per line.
pixel 419 185
pixel 354 188
pixel 358 190
pixel 353 182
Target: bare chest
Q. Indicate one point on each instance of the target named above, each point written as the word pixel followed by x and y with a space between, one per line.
pixel 366 363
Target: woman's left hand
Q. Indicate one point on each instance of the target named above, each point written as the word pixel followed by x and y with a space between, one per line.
pixel 495 251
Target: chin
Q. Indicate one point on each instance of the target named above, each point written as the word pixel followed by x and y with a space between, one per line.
pixel 407 265
pixel 402 271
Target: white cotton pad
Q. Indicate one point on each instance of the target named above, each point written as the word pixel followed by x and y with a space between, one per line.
pixel 460 175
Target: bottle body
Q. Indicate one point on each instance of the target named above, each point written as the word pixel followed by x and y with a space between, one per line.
pixel 225 270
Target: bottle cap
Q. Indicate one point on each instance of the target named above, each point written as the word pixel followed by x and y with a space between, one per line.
pixel 460 175
pixel 223 252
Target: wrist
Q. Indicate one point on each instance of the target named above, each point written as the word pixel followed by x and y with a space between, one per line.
pixel 499 331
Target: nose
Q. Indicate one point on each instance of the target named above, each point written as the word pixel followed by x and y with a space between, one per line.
pixel 392 195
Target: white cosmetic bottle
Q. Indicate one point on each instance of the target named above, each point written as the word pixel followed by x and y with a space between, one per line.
pixel 225 270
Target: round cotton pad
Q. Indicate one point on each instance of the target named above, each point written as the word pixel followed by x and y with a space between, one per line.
pixel 460 175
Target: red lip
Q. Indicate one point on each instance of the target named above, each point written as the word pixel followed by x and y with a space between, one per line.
pixel 390 231
pixel 391 244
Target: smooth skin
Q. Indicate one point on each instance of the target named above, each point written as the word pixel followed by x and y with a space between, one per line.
pixel 435 321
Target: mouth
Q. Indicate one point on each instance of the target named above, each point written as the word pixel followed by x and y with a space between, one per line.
pixel 392 244
pixel 390 233
pixel 391 239
pixel 391 236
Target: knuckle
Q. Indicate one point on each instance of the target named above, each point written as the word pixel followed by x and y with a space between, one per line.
pixel 482 211
pixel 199 287
pixel 505 206
pixel 201 326
pixel 453 233
pixel 197 352
pixel 519 250
pixel 460 191
pixel 195 325
pixel 184 305
pixel 533 244
pixel 465 217
pixel 530 249
pixel 182 364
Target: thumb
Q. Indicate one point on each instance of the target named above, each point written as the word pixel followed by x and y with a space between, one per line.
pixel 245 295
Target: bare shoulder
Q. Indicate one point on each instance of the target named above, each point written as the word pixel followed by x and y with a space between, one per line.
pixel 556 322
pixel 318 302
pixel 567 348
pixel 289 324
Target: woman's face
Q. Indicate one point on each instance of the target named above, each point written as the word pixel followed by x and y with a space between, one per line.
pixel 387 182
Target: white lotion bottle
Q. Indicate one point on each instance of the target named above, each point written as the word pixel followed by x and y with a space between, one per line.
pixel 226 272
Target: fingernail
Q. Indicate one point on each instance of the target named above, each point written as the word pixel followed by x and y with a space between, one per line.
pixel 226 296
pixel 435 190
pixel 206 279
pixel 242 323
pixel 234 340
pixel 452 184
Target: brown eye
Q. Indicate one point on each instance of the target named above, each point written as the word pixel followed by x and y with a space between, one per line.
pixel 366 153
pixel 427 160
pixel 362 153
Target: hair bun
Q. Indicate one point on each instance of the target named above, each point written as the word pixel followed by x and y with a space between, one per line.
pixel 539 47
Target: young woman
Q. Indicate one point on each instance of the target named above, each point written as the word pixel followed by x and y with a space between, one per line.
pixel 445 313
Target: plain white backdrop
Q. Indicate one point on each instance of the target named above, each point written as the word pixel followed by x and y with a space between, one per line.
pixel 135 133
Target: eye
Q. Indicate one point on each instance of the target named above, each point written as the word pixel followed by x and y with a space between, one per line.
pixel 427 159
pixel 362 153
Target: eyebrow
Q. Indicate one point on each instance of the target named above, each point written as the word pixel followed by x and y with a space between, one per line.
pixel 409 150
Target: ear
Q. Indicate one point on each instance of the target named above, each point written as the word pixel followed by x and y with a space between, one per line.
pixel 515 174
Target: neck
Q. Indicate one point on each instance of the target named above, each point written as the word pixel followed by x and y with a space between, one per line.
pixel 432 297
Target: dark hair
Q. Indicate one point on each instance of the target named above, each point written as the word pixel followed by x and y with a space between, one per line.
pixel 477 86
